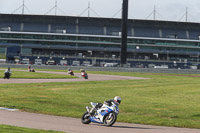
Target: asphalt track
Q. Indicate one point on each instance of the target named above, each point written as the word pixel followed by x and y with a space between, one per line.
pixel 92 77
pixel 74 125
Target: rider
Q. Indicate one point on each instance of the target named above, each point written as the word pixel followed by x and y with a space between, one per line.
pixel 8 70
pixel 29 68
pixel 69 70
pixel 83 71
pixel 7 73
pixel 33 70
pixel 116 100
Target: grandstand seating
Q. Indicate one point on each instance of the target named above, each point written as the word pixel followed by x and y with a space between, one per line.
pixel 156 32
pixel 56 28
pixel 146 32
pixel 174 33
pixel 14 26
pixel 194 34
pixel 35 27
pixel 98 26
pixel 91 30
pixel 113 30
pixel 90 26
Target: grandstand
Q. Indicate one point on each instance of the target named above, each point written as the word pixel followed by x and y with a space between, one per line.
pixel 76 40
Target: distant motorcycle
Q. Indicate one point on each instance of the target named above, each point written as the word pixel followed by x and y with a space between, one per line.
pixel 7 75
pixel 84 75
pixel 71 73
pixel 106 115
pixel 32 70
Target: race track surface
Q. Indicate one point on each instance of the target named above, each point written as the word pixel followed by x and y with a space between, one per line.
pixel 92 77
pixel 74 125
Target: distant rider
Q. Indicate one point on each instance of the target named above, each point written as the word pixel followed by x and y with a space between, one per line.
pixel 70 71
pixel 8 70
pixel 82 71
pixel 7 73
pixel 29 68
pixel 33 70
pixel 116 100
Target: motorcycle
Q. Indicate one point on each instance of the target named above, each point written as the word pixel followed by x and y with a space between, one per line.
pixel 32 70
pixel 106 115
pixel 7 75
pixel 84 75
pixel 71 73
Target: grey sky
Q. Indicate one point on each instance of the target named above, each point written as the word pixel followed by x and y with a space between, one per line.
pixel 172 10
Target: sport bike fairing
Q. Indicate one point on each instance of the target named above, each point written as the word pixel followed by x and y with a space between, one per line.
pixel 105 110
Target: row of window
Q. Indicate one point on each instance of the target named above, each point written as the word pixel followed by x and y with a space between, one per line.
pixel 99 39
pixel 100 47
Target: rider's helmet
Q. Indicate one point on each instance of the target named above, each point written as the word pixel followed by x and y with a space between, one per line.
pixel 8 68
pixel 69 69
pixel 82 70
pixel 117 99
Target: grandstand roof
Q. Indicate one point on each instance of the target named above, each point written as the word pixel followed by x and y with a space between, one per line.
pixel 98 21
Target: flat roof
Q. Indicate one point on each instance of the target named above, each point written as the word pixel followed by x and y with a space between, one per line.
pixel 59 17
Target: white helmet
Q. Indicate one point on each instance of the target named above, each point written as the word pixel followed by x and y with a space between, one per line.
pixel 117 99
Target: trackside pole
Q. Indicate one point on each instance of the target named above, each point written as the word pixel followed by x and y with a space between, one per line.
pixel 124 33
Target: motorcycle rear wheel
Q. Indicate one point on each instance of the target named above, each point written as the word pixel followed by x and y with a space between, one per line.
pixel 85 119
pixel 110 121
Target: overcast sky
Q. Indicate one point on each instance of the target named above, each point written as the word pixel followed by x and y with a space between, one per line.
pixel 171 10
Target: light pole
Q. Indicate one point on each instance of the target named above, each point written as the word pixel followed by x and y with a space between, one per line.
pixel 138 59
pixel 21 52
pixel 198 58
pixel 137 49
pixel 167 56
pixel 124 33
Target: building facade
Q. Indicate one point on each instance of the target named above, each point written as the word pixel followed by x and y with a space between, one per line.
pixel 96 41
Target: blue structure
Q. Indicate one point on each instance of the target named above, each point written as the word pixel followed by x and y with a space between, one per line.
pixel 98 40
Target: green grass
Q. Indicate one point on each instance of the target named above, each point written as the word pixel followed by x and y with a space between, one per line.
pixel 165 99
pixel 36 75
pixel 13 129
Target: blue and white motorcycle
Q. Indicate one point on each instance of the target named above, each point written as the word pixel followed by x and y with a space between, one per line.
pixel 106 115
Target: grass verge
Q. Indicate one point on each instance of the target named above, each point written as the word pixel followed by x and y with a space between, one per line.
pixel 36 75
pixel 13 129
pixel 165 99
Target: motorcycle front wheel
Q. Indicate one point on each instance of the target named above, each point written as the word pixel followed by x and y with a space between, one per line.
pixel 85 119
pixel 110 119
